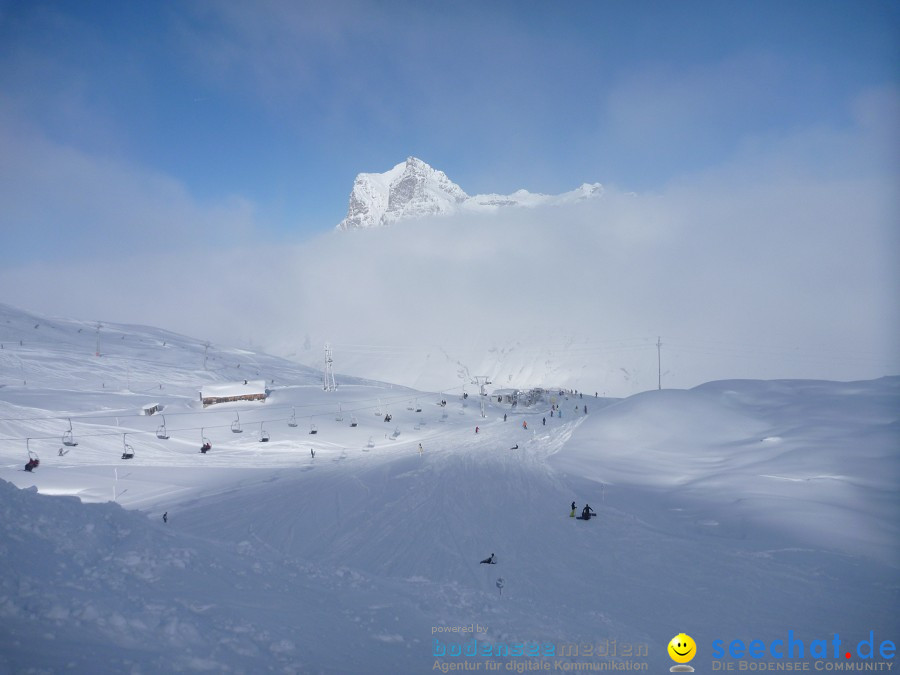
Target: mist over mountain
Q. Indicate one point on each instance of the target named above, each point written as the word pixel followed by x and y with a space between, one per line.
pixel 730 269
pixel 413 189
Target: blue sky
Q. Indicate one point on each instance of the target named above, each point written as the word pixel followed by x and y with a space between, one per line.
pixel 265 111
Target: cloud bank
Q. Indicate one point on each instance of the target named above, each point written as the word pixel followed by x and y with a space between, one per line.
pixel 778 264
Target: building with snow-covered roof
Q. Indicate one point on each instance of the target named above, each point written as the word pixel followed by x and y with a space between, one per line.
pixel 248 390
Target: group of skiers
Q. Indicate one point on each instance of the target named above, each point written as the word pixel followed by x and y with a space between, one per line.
pixel 586 512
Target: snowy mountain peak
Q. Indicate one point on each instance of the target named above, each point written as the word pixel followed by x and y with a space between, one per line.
pixel 414 189
pixel 411 189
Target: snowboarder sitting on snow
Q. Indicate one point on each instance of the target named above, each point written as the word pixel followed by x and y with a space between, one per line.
pixel 515 447
pixel 489 561
pixel 586 512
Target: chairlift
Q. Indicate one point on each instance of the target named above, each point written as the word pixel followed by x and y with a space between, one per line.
pixel 396 433
pixel 340 414
pixel 236 425
pixel 418 407
pixel 371 443
pixel 161 432
pixel 378 409
pixel 33 460
pixel 68 438
pixel 127 450
pixel 313 429
pixel 205 444
pixel 410 406
pixel 292 422
pixel 263 434
pixel 353 422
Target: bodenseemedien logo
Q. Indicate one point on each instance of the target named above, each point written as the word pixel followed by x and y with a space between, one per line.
pixel 682 649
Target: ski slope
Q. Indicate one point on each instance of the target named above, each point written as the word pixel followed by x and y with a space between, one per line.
pixel 734 510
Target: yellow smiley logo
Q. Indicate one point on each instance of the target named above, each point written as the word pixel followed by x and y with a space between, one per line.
pixel 682 648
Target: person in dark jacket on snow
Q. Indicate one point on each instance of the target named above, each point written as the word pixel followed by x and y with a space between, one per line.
pixel 489 561
pixel 586 512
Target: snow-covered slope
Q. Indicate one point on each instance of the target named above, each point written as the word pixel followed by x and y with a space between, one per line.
pixel 735 510
pixel 413 189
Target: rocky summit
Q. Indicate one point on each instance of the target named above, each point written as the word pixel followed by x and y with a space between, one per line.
pixel 414 189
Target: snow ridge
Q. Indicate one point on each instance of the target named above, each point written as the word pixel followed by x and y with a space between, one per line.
pixel 414 189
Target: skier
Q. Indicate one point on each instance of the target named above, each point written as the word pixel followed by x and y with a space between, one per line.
pixel 489 561
pixel 586 512
pixel 166 517
pixel 312 453
pixel 524 424
pixel 476 430
pixel 572 515
pixel 421 449
pixel 504 417
pixel 585 410
pixel 32 464
pixel 544 421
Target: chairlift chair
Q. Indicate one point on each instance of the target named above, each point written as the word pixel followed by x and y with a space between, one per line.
pixel 161 432
pixel 396 433
pixel 68 438
pixel 313 429
pixel 353 422
pixel 127 450
pixel 236 425
pixel 292 422
pixel 205 443
pixel 263 434
pixel 33 460
pixel 340 414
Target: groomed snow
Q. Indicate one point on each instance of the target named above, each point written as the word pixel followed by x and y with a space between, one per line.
pixel 735 510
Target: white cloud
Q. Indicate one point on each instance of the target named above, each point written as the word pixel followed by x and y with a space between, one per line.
pixel 61 202
pixel 780 263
